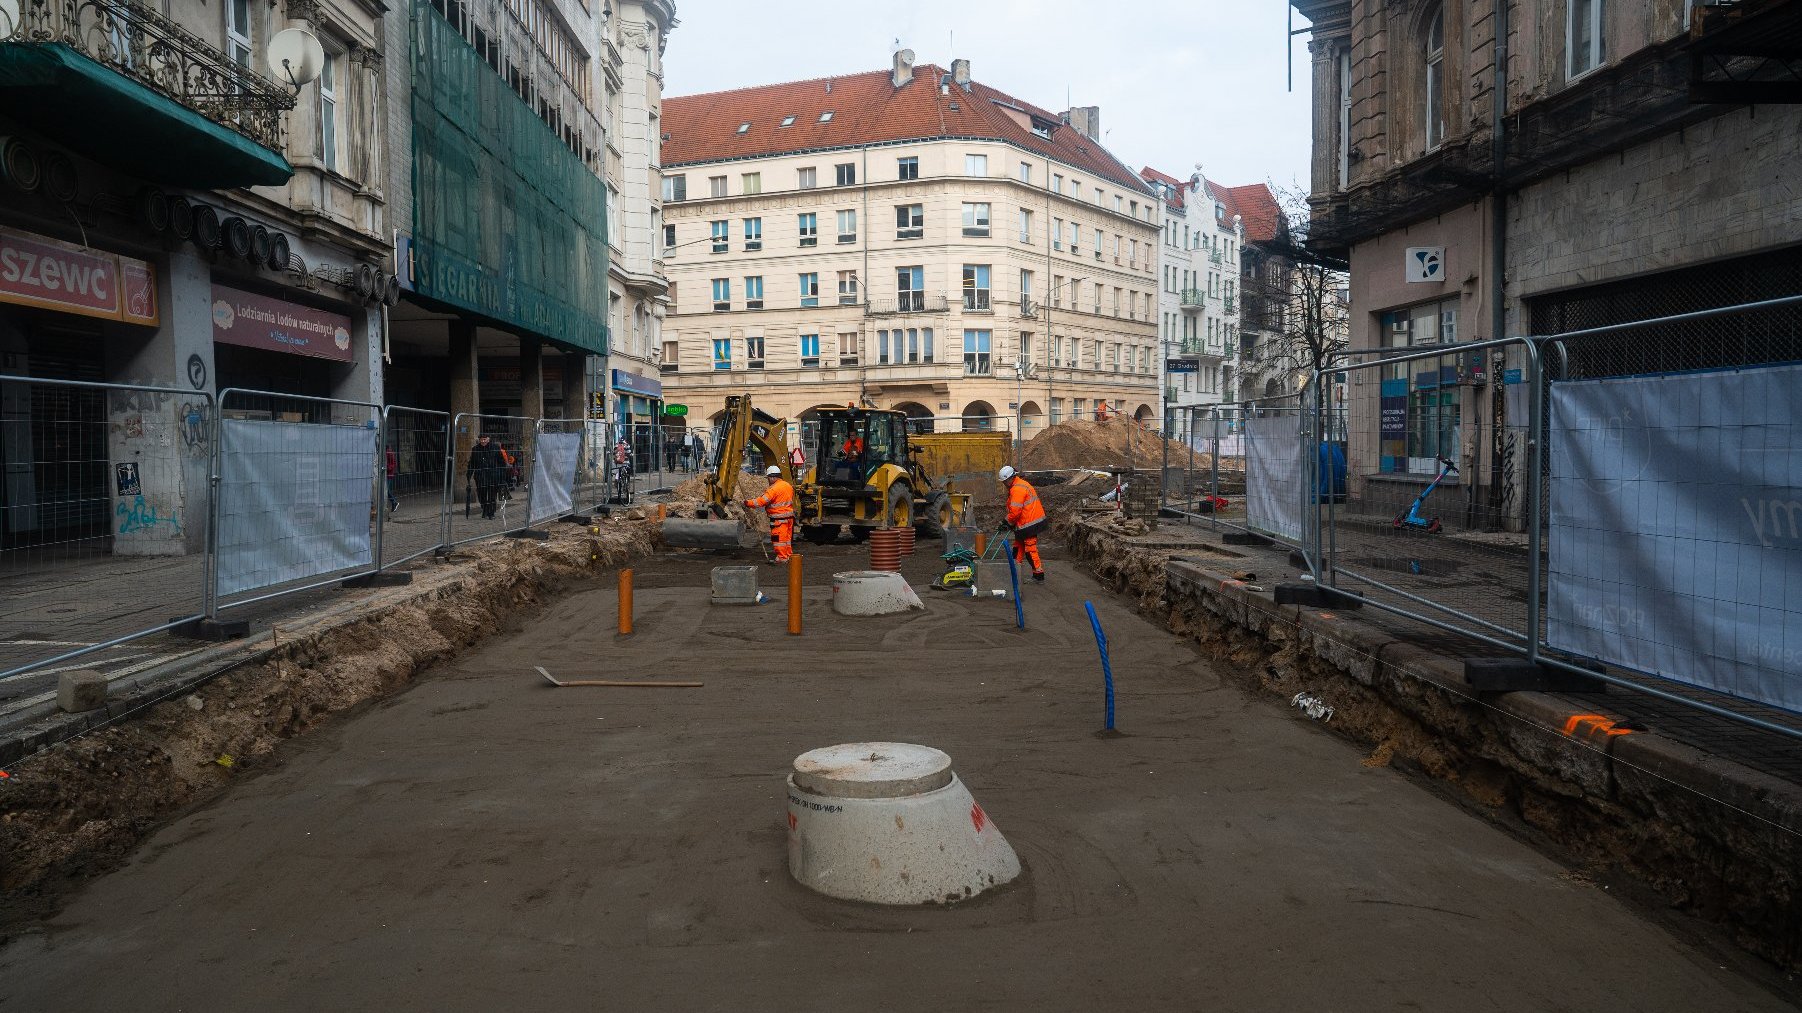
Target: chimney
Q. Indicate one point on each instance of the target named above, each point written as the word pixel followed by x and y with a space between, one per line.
pixel 960 74
pixel 904 67
pixel 1086 120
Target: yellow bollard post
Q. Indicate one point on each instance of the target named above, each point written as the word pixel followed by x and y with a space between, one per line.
pixel 794 596
pixel 625 603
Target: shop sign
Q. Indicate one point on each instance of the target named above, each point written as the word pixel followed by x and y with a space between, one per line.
pixel 259 321
pixel 1181 366
pixel 676 410
pixel 597 405
pixel 1425 264
pixel 36 271
pixel 632 383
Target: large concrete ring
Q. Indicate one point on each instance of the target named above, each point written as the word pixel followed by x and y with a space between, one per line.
pixel 872 593
pixel 890 823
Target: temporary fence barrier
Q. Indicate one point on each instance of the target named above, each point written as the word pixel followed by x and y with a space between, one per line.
pixel 416 454
pixel 104 511
pixel 486 484
pixel 296 495
pixel 555 465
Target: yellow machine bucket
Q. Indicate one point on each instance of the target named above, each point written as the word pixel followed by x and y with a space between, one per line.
pixel 707 533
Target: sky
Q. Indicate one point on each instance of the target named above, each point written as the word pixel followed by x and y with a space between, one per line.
pixel 1206 84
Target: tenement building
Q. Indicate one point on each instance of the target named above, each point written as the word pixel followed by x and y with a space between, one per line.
pixel 907 239
pixel 1640 161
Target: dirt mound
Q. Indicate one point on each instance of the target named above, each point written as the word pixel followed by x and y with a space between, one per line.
pixel 1114 443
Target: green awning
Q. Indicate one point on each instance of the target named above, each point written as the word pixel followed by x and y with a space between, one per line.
pixel 119 122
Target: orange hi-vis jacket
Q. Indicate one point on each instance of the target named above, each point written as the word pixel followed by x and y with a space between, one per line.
pixel 779 500
pixel 1023 506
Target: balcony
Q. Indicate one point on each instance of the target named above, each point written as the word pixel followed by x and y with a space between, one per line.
pixel 1229 304
pixel 1193 300
pixel 908 302
pixel 132 89
pixel 1201 350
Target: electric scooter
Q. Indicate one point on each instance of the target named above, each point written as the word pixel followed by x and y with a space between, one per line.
pixel 1413 518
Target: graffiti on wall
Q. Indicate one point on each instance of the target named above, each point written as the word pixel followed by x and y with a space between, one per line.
pixel 139 516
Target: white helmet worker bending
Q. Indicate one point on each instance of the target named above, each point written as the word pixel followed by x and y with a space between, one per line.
pixel 1007 472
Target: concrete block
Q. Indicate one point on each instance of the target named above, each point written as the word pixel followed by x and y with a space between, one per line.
pixel 81 690
pixel 734 585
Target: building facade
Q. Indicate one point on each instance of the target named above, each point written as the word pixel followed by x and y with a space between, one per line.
pixel 908 239
pixel 170 215
pixel 1636 163
pixel 1198 299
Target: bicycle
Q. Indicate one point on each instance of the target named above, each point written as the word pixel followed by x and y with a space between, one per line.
pixel 622 483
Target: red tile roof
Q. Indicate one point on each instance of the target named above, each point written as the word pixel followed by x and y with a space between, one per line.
pixel 1255 203
pixel 868 109
pixel 1173 195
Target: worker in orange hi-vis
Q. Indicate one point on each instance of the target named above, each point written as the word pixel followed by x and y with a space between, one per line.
pixel 1026 516
pixel 779 502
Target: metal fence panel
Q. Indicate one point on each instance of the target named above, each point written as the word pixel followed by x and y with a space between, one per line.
pixel 104 510
pixel 559 450
pixel 415 457
pixel 485 485
pixel 1275 467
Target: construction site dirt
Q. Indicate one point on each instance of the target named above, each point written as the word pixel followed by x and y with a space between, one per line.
pixel 485 840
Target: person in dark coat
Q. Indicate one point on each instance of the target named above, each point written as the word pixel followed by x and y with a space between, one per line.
pixel 488 470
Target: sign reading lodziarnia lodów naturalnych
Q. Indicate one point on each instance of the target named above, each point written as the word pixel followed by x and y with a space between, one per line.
pixel 260 321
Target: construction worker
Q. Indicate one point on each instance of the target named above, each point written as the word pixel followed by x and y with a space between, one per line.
pixel 779 502
pixel 1026 516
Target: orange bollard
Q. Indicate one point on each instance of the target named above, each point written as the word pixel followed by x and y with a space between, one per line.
pixel 794 596
pixel 662 509
pixel 625 603
pixel 982 544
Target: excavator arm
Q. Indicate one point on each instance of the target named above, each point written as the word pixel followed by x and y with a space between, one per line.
pixel 743 426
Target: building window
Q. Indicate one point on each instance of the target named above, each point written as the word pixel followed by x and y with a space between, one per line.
pixel 976 353
pixel 1420 406
pixel 847 288
pixel 976 221
pixel 1435 81
pixel 1025 348
pixel 809 227
pixel 716 186
pixel 328 112
pixel 753 234
pixel 1100 242
pixel 907 168
pixel 671 358
pixel 675 188
pixel 1025 225
pixel 1057 182
pixel 846 173
pixel 1100 196
pixel 1583 36
pixel 1076 238
pixel 1345 106
pixel 1025 288
pixel 882 352
pixel 754 351
pixel 847 226
pixel 721 240
pixel 751 182
pixel 847 348
pixel 669 237
pixel 1026 172
pixel 910 288
pixel 826 117
pixel 976 286
pixel 722 353
pixel 1057 233
pixel 787 121
pixel 722 294
pixel 754 292
pixel 807 178
pixel 237 31
pixel 810 350
pixel 810 290
pixel 976 165
pixel 910 221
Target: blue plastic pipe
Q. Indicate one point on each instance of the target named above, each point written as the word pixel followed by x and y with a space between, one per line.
pixel 1107 672
pixel 1013 574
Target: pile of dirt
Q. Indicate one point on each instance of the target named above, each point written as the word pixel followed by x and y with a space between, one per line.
pixel 1114 443
pixel 77 809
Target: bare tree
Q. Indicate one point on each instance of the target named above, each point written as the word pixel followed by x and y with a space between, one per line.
pixel 1298 300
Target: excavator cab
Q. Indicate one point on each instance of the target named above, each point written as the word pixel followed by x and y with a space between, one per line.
pixel 854 443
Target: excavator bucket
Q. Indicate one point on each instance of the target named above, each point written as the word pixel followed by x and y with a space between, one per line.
pixel 707 533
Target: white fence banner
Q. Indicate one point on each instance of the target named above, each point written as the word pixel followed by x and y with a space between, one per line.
pixel 1676 527
pixel 1273 475
pixel 554 475
pixel 295 500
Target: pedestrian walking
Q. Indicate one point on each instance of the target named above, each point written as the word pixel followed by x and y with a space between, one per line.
pixel 779 502
pixel 1026 517
pixel 488 470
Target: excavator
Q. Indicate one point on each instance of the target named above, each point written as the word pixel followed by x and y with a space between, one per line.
pixel 870 473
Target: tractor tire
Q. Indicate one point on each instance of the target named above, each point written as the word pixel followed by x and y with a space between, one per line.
pixel 820 534
pixel 899 512
pixel 936 517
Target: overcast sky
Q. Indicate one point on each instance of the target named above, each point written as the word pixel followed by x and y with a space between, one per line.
pixel 1203 82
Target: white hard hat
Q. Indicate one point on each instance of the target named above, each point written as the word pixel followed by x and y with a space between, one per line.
pixel 1007 472
pixel 773 471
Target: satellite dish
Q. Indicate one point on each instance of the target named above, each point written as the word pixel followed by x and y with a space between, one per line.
pixel 907 56
pixel 296 57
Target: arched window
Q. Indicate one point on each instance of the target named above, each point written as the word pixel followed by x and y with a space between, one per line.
pixel 1435 77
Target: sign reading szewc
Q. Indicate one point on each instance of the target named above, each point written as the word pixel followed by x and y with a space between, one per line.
pixel 35 271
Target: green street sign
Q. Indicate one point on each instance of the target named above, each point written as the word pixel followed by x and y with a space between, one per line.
pixel 677 410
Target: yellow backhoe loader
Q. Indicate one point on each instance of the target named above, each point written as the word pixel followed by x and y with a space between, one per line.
pixel 869 472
